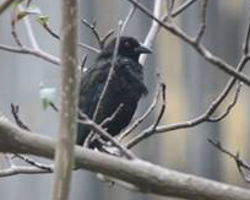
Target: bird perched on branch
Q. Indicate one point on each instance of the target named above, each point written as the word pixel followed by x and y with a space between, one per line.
pixel 116 97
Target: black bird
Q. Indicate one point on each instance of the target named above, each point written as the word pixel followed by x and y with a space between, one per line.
pixel 124 90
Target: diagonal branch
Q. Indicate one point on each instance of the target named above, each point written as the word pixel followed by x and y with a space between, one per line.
pixel 139 120
pixel 205 53
pixel 241 164
pixel 101 132
pixel 230 106
pixel 183 7
pixel 107 82
pixel 4 5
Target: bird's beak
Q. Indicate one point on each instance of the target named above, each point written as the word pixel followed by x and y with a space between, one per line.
pixel 142 50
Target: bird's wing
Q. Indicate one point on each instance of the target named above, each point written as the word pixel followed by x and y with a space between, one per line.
pixel 125 89
pixel 91 87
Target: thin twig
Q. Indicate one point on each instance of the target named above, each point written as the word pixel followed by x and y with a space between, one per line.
pixel 14 170
pixel 203 22
pixel 201 118
pixel 183 7
pixel 92 27
pixel 51 32
pixel 241 164
pixel 88 47
pixel 48 168
pixel 53 106
pixel 195 121
pixel 86 121
pixel 37 168
pixel 56 36
pixel 246 43
pixel 170 7
pixel 37 53
pixel 83 63
pixel 231 105
pixel 109 119
pixel 102 133
pixel 15 113
pixel 128 17
pixel 15 35
pixel 163 108
pixel 111 71
pixel 100 40
pixel 29 30
pixel 107 36
pixel 139 120
pixel 152 131
pixel 110 74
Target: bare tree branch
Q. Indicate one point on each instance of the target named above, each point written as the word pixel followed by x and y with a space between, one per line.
pixel 246 43
pixel 51 32
pixel 15 35
pixel 139 120
pixel 15 113
pixel 101 132
pixel 92 27
pixel 100 40
pixel 217 102
pixel 203 22
pixel 14 170
pixel 4 5
pixel 145 176
pixel 241 164
pixel 66 136
pixel 144 135
pixel 230 106
pixel 206 116
pixel 33 52
pixel 128 18
pixel 88 47
pixel 29 30
pixel 36 168
pixel 183 7
pixel 48 168
pixel 205 53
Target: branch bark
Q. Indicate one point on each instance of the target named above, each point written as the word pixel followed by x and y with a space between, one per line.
pixel 64 157
pixel 145 176
pixel 5 5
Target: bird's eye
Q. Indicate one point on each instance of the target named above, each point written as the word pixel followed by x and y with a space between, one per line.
pixel 127 45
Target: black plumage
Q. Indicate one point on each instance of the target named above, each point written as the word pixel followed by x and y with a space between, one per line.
pixel 125 88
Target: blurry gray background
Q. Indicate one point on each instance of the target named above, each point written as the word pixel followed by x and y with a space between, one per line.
pixel 191 86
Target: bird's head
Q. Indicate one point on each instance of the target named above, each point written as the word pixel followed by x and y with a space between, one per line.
pixel 128 47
